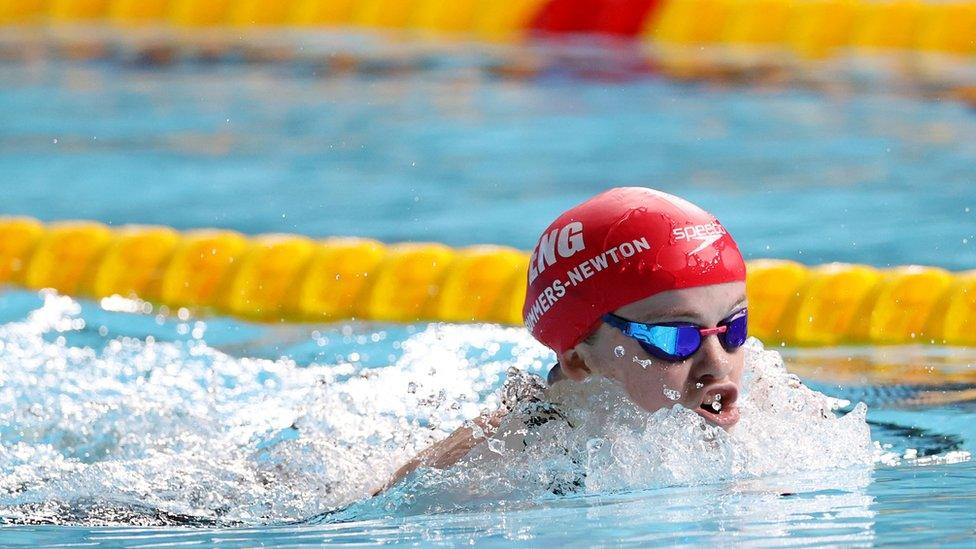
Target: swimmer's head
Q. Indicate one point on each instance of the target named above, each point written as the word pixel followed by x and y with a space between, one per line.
pixel 649 257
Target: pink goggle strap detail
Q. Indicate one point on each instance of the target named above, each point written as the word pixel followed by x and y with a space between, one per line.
pixel 716 330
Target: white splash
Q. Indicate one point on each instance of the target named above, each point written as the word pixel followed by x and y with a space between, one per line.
pixel 183 429
pixel 602 442
pixel 672 394
pixel 148 429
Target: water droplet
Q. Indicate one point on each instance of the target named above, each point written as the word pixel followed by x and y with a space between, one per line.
pixel 618 351
pixel 671 394
pixel 699 385
pixel 476 430
pixel 644 363
pixel 593 445
pixel 496 445
pixel 411 387
pixel 717 406
pixel 718 397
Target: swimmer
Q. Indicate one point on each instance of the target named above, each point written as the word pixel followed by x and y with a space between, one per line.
pixel 641 288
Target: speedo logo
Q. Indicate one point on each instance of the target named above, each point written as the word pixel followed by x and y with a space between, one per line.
pixel 565 242
pixel 707 234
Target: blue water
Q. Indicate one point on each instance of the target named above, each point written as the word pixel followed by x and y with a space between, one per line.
pixel 872 178
pixel 137 430
pixel 142 429
pixel 879 509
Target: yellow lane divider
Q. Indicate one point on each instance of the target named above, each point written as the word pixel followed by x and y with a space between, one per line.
pixel 282 277
pixel 807 28
pixel 819 28
pixel 62 258
pixel 488 20
pixel 195 275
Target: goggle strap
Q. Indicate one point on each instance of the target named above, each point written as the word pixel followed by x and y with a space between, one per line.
pixel 716 330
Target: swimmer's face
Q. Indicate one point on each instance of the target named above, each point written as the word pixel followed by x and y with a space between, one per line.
pixel 711 374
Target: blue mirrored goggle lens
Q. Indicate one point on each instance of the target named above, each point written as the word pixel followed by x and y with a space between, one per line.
pixel 688 341
pixel 671 342
pixel 736 332
pixel 676 342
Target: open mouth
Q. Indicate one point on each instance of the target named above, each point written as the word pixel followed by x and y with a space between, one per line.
pixel 718 406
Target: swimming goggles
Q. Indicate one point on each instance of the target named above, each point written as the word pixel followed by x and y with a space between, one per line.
pixel 676 341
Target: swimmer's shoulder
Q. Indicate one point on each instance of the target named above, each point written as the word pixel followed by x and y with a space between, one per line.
pixel 539 406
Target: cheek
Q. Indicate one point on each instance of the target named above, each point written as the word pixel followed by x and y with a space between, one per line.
pixel 660 385
pixel 738 366
pixel 613 356
pixel 650 383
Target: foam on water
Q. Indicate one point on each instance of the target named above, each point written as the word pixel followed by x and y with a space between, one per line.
pixel 600 442
pixel 147 432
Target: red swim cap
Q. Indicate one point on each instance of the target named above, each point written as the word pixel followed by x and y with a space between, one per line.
pixel 618 247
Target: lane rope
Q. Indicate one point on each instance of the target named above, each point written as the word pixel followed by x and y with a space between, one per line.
pixel 808 29
pixel 292 278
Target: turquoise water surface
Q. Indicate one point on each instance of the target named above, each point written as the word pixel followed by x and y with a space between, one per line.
pixel 125 425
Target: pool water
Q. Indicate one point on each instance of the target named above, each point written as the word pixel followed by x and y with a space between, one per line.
pixel 869 177
pixel 140 429
pixel 124 425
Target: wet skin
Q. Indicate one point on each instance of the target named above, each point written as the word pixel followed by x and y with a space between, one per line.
pixel 651 382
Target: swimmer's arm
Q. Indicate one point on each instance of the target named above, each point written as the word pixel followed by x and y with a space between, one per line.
pixel 447 452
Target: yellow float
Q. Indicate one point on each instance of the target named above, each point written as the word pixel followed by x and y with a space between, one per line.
pixel 281 277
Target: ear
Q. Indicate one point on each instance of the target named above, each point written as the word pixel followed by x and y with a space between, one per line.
pixel 573 366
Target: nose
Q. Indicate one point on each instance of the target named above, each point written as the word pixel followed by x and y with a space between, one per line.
pixel 712 361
